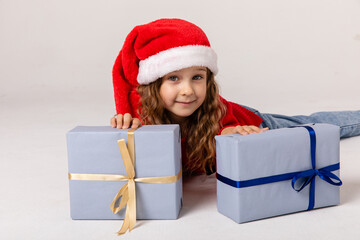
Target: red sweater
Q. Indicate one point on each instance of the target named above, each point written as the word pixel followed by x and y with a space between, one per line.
pixel 238 115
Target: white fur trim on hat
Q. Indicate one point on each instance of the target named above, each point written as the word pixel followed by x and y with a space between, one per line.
pixel 173 59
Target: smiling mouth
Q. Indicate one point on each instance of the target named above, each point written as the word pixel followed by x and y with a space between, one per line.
pixel 186 103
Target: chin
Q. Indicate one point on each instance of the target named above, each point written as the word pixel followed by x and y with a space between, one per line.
pixel 183 115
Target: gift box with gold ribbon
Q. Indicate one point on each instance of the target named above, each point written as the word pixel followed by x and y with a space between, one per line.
pixel 125 174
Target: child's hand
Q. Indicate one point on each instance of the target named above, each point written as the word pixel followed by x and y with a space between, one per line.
pixel 124 121
pixel 243 130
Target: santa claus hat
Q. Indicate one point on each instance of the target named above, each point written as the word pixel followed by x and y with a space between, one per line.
pixel 153 50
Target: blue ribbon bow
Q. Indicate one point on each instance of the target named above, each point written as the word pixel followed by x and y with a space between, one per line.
pixel 299 179
pixel 308 176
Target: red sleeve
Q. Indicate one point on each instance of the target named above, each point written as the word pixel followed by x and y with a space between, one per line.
pixel 238 115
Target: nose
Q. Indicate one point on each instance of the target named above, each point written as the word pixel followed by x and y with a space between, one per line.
pixel 186 88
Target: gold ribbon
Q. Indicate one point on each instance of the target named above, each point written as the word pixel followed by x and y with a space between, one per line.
pixel 127 192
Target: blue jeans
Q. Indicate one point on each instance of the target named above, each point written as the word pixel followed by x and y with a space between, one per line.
pixel 348 121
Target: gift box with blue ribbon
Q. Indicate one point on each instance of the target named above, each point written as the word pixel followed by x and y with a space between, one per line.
pixel 278 171
pixel 125 174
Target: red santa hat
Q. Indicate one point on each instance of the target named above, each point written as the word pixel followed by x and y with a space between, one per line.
pixel 153 50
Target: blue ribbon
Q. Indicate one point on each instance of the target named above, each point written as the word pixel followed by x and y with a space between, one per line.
pixel 303 178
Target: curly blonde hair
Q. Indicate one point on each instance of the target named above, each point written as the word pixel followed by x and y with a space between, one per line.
pixel 199 129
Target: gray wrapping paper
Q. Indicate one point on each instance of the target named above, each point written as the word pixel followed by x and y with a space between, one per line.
pixel 94 150
pixel 245 157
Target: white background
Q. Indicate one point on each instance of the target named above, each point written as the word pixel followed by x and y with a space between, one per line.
pixel 56 57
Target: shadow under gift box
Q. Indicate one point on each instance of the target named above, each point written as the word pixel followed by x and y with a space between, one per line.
pixel 274 152
pixel 94 150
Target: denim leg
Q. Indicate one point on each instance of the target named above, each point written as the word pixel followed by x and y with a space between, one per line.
pixel 348 121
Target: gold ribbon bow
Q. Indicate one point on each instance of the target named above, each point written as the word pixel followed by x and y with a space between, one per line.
pixel 127 192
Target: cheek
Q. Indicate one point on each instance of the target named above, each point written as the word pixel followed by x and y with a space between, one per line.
pixel 166 93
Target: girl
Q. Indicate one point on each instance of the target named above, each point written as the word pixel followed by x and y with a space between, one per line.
pixel 165 74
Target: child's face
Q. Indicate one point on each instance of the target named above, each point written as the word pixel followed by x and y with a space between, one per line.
pixel 184 91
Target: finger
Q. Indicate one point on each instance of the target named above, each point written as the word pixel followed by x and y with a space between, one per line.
pixel 256 129
pixel 127 120
pixel 113 122
pixel 241 130
pixel 135 123
pixel 248 129
pixel 119 121
pixel 263 129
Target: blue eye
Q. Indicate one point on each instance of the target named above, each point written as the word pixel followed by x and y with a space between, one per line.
pixel 197 77
pixel 173 78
